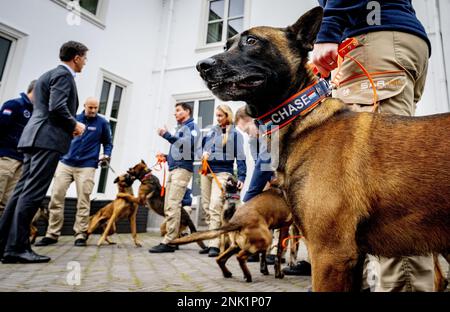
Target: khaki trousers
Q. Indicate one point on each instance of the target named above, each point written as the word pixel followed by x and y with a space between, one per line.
pixel 10 172
pixel 84 182
pixel 212 202
pixel 177 182
pixel 399 61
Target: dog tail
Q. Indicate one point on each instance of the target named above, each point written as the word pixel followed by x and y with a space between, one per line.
pixel 193 229
pixel 202 235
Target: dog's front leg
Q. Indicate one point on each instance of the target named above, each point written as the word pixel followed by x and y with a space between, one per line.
pixel 263 263
pixel 284 233
pixel 223 258
pixel 333 270
pixel 242 259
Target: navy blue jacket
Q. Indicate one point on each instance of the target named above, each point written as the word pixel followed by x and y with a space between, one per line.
pixel 222 158
pixel 348 18
pixel 187 198
pixel 260 177
pixel 84 150
pixel 185 146
pixel 14 115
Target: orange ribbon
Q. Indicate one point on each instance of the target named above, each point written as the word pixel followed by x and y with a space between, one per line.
pixel 284 242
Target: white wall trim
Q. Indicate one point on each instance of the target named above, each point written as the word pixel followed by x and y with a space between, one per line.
pixel 14 61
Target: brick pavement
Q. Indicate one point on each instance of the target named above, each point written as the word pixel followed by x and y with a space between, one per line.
pixel 124 268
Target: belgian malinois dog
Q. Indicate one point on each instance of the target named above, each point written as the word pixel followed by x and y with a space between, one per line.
pixel 357 183
pixel 149 194
pixel 124 206
pixel 250 231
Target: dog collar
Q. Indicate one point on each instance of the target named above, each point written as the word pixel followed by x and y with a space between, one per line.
pixel 297 105
pixel 146 176
pixel 232 196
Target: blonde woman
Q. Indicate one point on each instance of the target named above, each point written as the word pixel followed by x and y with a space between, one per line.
pixel 221 146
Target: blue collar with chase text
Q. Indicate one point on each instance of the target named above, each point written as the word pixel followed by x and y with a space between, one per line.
pixel 297 105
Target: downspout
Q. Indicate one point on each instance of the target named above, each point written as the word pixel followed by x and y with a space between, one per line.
pixel 164 61
pixel 440 47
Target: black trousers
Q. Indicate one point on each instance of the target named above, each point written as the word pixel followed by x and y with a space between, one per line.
pixel 39 167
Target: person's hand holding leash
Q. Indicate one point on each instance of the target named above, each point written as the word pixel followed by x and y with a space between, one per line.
pixel 325 56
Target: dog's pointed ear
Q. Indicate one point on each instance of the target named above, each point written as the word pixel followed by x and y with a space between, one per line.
pixel 116 180
pixel 143 162
pixel 307 27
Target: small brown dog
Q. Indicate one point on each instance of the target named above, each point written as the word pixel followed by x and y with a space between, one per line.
pixel 41 214
pixel 124 206
pixel 250 231
pixel 149 194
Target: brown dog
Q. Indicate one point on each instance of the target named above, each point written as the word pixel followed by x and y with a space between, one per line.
pixel 149 194
pixel 357 183
pixel 250 231
pixel 41 214
pixel 124 206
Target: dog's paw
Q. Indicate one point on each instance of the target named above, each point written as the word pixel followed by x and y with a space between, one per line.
pixel 138 244
pixel 265 272
pixel 248 279
pixel 227 274
pixel 279 275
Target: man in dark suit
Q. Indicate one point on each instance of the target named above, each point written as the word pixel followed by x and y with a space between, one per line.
pixel 45 138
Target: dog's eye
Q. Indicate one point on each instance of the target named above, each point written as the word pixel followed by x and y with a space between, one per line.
pixel 251 40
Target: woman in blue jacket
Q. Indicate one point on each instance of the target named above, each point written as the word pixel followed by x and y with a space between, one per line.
pixel 222 145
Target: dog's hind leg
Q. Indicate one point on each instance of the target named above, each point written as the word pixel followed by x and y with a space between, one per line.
pixel 133 229
pixel 242 259
pixel 223 258
pixel 109 226
pixel 263 263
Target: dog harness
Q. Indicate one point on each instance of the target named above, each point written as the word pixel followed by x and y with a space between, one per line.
pixel 297 105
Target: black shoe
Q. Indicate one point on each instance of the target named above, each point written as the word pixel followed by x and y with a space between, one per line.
pixel 270 259
pixel 27 256
pixel 81 242
pixel 253 258
pixel 301 268
pixel 45 241
pixel 161 248
pixel 204 251
pixel 213 252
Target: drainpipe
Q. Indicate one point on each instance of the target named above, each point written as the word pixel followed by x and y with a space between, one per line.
pixel 164 59
pixel 440 48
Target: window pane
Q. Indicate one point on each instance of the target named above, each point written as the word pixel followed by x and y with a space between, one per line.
pixel 234 27
pixel 104 97
pixel 216 10
pixel 113 128
pixel 89 5
pixel 206 113
pixel 5 45
pixel 116 102
pixel 102 181
pixel 214 32
pixel 236 8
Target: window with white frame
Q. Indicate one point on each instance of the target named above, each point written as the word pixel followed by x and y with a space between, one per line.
pixel 90 10
pixel 225 19
pixel 110 99
pixel 5 48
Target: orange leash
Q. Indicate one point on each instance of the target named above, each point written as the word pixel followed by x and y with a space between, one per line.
pixel 204 171
pixel 284 242
pixel 344 48
pixel 161 160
